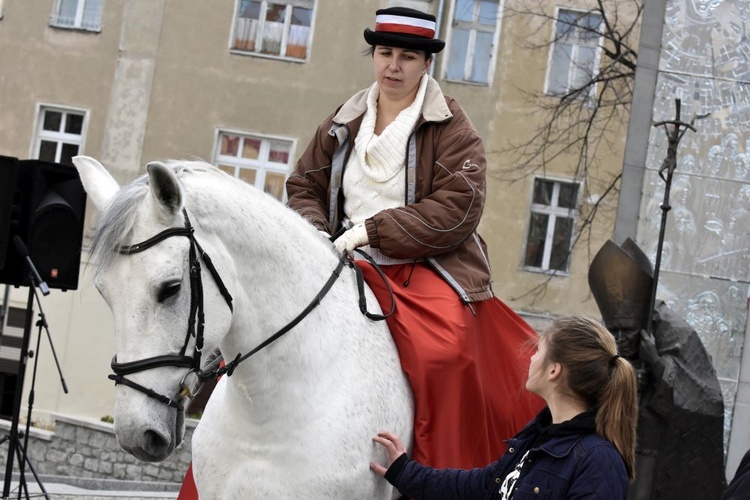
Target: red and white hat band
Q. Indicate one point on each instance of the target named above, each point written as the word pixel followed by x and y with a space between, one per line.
pixel 403 24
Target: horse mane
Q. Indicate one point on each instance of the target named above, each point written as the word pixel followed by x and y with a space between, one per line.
pixel 116 222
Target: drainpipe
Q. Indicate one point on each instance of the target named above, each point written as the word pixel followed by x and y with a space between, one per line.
pixel 640 123
pixel 439 19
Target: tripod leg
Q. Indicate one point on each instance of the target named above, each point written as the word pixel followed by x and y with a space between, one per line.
pixel 22 486
pixel 18 392
pixel 33 472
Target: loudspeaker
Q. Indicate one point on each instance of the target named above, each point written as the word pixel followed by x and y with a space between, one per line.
pixel 8 172
pixel 49 205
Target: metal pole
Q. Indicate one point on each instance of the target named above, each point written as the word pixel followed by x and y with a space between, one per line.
pixel 666 171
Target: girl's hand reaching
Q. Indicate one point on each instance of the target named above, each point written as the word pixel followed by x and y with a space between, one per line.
pixel 393 446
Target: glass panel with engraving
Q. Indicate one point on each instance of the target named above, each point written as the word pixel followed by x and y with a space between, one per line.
pixel 705 261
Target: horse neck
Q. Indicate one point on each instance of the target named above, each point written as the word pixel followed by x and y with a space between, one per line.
pixel 278 265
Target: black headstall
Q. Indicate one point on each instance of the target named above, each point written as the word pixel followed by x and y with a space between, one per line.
pixel 196 319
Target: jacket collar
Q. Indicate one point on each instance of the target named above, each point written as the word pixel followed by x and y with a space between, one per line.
pixel 560 443
pixel 434 109
pixel 558 446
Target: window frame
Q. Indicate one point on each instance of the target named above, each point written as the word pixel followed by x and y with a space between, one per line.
pixel 554 212
pixel 261 165
pixel 312 4
pixel 54 18
pixel 571 65
pixel 492 63
pixel 58 137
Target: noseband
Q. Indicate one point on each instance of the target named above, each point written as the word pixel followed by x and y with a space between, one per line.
pixel 195 319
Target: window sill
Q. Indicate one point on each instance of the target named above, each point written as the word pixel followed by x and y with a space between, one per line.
pixel 467 82
pixel 539 270
pixel 245 53
pixel 76 28
pixel 587 99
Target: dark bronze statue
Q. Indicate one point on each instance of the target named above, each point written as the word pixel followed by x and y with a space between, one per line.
pixel 680 451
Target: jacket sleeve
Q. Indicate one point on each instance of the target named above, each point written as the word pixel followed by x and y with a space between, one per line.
pixel 601 475
pixel 450 213
pixel 418 481
pixel 308 185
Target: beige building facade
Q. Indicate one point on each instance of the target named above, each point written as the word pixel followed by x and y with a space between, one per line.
pixel 243 84
pixel 156 79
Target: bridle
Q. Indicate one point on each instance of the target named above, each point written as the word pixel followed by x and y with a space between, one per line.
pixel 196 320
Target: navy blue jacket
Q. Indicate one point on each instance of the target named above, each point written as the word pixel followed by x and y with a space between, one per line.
pixel 567 466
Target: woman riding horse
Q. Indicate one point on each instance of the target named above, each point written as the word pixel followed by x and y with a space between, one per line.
pixel 399 171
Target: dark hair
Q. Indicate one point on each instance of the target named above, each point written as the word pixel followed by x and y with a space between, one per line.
pixel 371 50
pixel 595 374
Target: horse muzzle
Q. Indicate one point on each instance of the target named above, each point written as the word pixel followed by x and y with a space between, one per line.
pixel 149 433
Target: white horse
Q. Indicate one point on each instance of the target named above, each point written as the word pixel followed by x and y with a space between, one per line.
pixel 297 418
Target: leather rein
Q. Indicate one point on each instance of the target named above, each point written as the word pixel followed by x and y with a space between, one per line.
pixel 196 320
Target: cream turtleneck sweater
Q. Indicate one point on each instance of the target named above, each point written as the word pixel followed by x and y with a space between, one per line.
pixel 374 178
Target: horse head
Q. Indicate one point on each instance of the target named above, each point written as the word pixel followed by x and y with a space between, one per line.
pixel 148 271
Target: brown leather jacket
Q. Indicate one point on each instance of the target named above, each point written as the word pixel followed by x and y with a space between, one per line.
pixel 445 190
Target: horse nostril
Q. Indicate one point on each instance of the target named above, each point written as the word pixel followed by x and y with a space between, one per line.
pixel 154 443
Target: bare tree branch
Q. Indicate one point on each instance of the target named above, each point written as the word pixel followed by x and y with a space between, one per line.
pixel 575 128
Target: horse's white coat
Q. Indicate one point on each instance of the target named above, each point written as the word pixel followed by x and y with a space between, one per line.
pixel 297 419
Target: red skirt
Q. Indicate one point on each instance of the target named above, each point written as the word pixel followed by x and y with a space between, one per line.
pixel 188 490
pixel 467 369
pixel 467 372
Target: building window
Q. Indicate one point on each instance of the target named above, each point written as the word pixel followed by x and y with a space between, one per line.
pixel 59 135
pixel 553 218
pixel 275 29
pixel 263 162
pixel 78 14
pixel 1 9
pixel 575 51
pixel 473 40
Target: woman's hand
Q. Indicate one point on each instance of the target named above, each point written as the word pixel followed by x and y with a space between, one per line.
pixel 352 238
pixel 393 446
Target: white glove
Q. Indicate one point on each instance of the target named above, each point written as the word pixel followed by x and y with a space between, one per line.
pixel 354 237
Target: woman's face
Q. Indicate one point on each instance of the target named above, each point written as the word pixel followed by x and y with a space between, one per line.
pixel 398 71
pixel 536 381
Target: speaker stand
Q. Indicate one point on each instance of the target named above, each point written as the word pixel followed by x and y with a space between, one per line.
pixel 15 446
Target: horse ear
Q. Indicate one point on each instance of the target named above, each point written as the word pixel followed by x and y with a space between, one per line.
pixel 165 188
pixel 99 184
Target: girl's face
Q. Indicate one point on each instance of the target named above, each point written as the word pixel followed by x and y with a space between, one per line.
pixel 398 71
pixel 537 373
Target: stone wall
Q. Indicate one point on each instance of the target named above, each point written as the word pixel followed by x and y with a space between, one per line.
pixel 86 448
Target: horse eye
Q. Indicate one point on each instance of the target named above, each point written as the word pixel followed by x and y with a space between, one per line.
pixel 168 290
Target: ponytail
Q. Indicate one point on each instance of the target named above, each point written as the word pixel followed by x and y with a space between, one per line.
pixel 595 374
pixel 617 414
